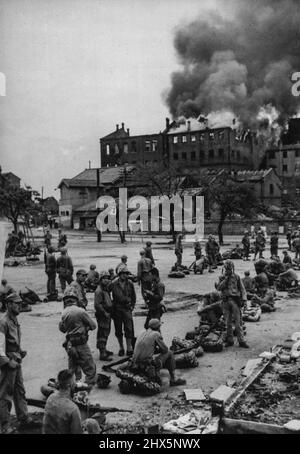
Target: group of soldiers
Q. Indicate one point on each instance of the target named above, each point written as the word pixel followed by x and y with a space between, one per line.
pixel 115 300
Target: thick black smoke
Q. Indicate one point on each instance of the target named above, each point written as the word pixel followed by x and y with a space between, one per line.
pixel 239 60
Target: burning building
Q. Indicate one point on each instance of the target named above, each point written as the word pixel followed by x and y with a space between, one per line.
pixel 285 159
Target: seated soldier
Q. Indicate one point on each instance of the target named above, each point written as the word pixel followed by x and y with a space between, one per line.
pixel 266 302
pixel 261 279
pixel 286 258
pixel 200 264
pixel 150 347
pixel 249 284
pixel 287 279
pixel 238 252
pixel 212 308
pixel 273 269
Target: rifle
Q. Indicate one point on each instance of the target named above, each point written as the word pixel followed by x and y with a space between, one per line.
pixel 92 409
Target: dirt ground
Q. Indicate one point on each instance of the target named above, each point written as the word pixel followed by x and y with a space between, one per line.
pixel 43 341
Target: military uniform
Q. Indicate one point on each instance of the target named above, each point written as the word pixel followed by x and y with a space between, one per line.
pixel 103 309
pixel 124 299
pixel 11 380
pixel 274 245
pixel 76 323
pixel 50 268
pixel 64 268
pixel 296 246
pixel 80 293
pixel 155 308
pixel 210 253
pixel 197 250
pixel 246 245
pixel 233 295
pixel 178 251
pixel 144 275
pixel 149 254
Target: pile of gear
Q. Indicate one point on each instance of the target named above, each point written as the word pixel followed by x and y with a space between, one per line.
pixel 144 380
pixel 178 271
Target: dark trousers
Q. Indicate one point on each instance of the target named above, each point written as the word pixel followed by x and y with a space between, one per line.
pixel 152 313
pixel 104 325
pixel 83 360
pixel 12 389
pixel 51 288
pixel 274 251
pixel 258 250
pixel 123 321
pixel 232 314
pixel 297 252
pixel 211 259
pixel 64 280
pixel 146 282
pixel 246 252
pixel 179 258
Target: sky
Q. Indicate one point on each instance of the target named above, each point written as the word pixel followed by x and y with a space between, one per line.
pixel 76 68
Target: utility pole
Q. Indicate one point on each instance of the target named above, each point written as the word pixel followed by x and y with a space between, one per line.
pixel 99 235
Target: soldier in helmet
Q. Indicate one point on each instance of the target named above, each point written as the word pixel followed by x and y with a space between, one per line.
pixel 76 323
pixel 124 299
pixel 144 275
pixel 103 310
pixel 234 297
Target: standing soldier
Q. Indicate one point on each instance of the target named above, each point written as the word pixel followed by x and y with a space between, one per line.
pixel 274 244
pixel 47 239
pixel 246 244
pixel 210 251
pixel 103 309
pixel 122 264
pixel 260 242
pixel 234 296
pixel 216 252
pixel 154 298
pixel 62 239
pixel 50 269
pixel 178 250
pixel 289 238
pixel 64 268
pixel 197 252
pixel 144 276
pixel 11 378
pixel 296 245
pixel 76 323
pixel 78 287
pixel 124 299
pixel 148 250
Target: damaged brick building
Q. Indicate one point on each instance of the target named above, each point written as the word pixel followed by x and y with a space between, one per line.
pixel 185 144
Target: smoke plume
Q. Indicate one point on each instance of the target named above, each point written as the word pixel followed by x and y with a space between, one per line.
pixel 238 61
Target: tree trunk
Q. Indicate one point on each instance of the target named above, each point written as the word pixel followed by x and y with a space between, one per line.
pixel 15 224
pixel 172 224
pixel 220 227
